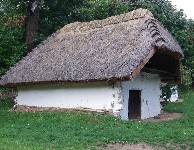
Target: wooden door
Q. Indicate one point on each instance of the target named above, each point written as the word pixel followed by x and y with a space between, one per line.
pixel 134 105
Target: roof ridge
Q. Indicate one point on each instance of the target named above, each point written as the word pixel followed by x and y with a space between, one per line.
pixel 84 26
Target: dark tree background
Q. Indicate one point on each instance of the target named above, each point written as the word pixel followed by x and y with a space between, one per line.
pixel 24 24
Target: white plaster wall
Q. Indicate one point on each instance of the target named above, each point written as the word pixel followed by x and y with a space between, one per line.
pixel 174 95
pixel 149 84
pixel 101 95
pixel 74 95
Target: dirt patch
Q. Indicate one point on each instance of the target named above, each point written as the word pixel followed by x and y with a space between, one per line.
pixel 138 146
pixel 56 109
pixel 144 146
pixel 165 116
pixel 179 100
pixel 34 108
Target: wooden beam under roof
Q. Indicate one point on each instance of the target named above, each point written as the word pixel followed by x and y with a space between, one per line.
pixel 156 71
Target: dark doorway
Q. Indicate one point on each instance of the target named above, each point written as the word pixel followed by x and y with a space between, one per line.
pixel 134 105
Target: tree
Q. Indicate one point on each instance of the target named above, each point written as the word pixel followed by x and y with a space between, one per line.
pixel 31 22
pixel 12 43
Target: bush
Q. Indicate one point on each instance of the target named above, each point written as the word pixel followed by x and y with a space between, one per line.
pixel 7 97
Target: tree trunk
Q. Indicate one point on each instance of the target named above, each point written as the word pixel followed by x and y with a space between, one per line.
pixel 192 79
pixel 32 23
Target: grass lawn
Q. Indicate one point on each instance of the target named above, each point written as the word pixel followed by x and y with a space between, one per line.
pixel 78 130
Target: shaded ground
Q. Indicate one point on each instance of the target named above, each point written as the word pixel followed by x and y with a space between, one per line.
pixel 138 146
pixel 55 109
pixel 144 146
pixel 165 116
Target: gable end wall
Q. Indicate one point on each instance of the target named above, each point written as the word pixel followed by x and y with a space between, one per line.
pixel 149 84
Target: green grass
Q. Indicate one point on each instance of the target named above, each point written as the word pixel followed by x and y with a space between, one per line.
pixel 79 130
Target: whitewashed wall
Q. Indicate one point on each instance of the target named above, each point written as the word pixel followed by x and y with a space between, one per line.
pixel 74 95
pixel 149 84
pixel 101 95
pixel 174 95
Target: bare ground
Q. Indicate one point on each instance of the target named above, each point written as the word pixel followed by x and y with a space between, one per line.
pixel 144 146
pixel 56 109
pixel 138 146
pixel 165 116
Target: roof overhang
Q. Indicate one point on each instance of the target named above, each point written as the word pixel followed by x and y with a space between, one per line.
pixel 163 62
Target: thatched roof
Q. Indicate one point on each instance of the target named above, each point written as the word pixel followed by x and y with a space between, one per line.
pixel 98 50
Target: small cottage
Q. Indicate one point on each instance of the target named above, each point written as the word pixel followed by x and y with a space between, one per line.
pixel 115 65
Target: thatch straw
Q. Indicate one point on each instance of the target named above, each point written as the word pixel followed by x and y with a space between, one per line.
pixel 98 50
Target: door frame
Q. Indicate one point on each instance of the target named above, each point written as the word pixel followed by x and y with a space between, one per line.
pixel 134 104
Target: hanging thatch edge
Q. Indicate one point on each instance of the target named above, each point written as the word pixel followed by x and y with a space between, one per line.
pixel 142 64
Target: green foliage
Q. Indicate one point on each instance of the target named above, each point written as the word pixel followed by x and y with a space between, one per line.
pixel 7 96
pixel 79 130
pixel 167 91
pixel 186 75
pixel 55 14
pixel 12 45
pixel 97 10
